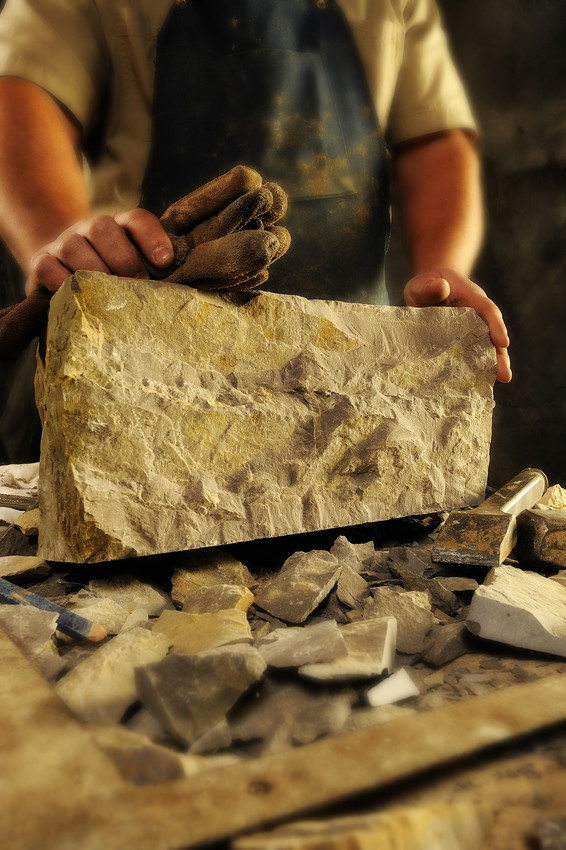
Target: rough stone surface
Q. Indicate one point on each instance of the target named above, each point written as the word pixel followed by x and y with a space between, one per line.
pixel 192 633
pixel 257 415
pixel 102 686
pixel 520 608
pixel 412 611
pixel 105 612
pixel 304 580
pixel 302 645
pixel 218 597
pixel 370 646
pixel 352 590
pixel 190 694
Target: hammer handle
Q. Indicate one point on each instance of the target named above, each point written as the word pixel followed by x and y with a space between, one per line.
pixel 523 491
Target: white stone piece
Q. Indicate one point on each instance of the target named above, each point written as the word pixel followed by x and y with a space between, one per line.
pixel 397 687
pixel 18 565
pixel 175 419
pixel 102 686
pixel 520 608
pixel 105 612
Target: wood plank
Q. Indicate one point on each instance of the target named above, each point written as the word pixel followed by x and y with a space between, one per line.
pixel 62 793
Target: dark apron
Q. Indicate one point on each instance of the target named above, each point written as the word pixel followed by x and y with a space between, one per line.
pixel 277 85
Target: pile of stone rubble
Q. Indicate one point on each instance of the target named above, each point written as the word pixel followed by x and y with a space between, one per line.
pixel 229 653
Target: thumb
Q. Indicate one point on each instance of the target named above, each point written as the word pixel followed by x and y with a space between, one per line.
pixel 425 289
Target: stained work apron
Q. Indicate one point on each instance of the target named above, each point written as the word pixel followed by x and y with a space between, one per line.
pixel 277 85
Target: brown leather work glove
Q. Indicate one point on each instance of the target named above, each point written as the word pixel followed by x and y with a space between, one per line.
pixel 224 237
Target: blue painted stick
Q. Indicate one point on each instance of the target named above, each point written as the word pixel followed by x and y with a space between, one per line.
pixel 69 623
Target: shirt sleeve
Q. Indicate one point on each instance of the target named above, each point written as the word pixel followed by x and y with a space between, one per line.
pixel 429 96
pixel 59 46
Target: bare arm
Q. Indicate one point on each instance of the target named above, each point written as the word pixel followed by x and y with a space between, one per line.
pixel 45 217
pixel 437 179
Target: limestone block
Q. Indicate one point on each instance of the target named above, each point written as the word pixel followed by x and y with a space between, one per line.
pixel 175 419
pixel 520 608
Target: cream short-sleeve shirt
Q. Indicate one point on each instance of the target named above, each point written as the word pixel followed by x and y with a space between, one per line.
pixel 95 57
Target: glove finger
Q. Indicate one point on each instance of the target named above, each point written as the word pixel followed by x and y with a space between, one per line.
pixel 222 283
pixel 278 206
pixel 209 199
pixel 231 257
pixel 283 238
pixel 236 216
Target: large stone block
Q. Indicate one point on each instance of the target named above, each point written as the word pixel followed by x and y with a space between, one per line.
pixel 175 419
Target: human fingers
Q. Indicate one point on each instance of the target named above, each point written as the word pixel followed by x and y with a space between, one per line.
pixel 426 290
pixel 146 232
pixel 504 373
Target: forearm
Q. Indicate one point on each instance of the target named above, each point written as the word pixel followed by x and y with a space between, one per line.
pixel 440 199
pixel 42 188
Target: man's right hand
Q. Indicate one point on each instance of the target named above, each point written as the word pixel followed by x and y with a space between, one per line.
pixel 114 244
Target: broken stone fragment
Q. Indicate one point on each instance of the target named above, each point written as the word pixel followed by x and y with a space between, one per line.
pixel 520 608
pixel 192 633
pixel 541 537
pixel 352 590
pixel 24 566
pixel 246 416
pixel 411 609
pixel 33 630
pixel 357 556
pixel 370 646
pixel 207 568
pixel 218 597
pixel 440 596
pixel 445 643
pixel 304 580
pixel 14 542
pixel 190 694
pixel 131 593
pixel 102 686
pixel 302 645
pixel 28 522
pixel 105 612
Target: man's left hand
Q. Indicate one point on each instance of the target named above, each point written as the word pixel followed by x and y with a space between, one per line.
pixel 446 287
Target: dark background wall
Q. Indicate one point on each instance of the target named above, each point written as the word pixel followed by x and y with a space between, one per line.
pixel 512 57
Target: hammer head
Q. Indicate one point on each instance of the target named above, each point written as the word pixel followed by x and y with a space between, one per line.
pixel 471 537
